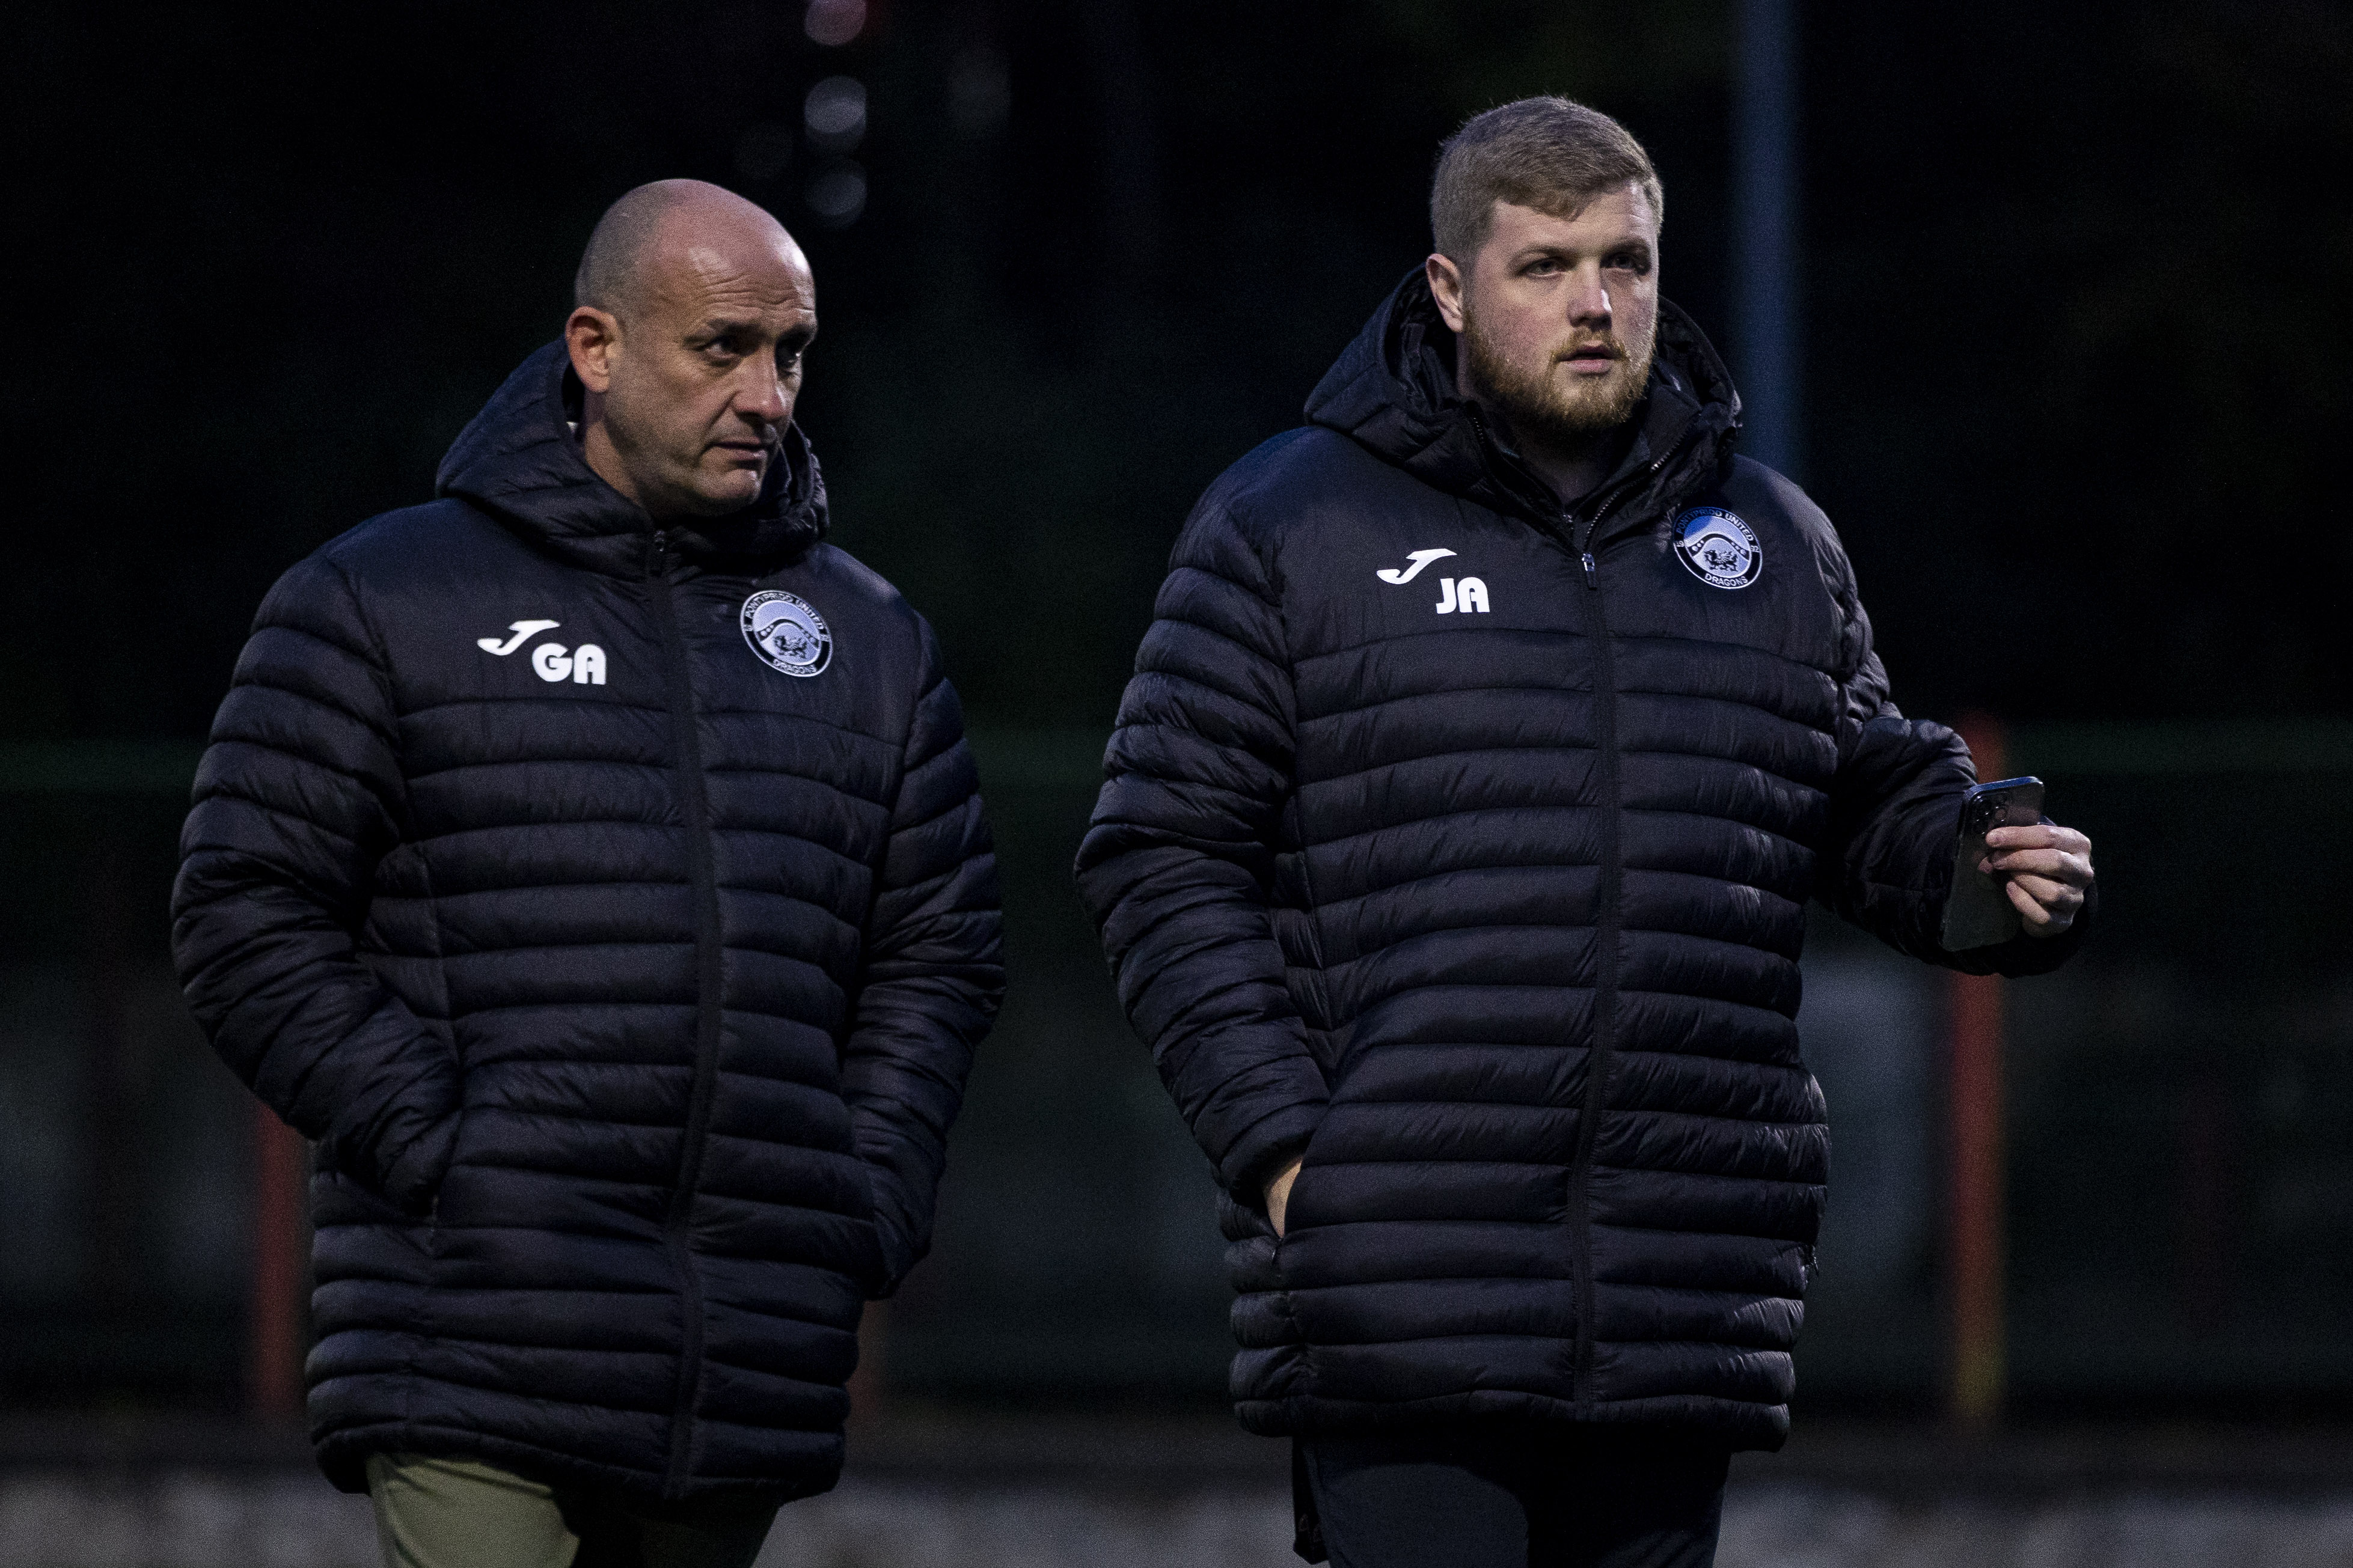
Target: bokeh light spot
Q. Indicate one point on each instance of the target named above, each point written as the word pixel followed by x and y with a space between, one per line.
pixel 838 195
pixel 835 112
pixel 834 23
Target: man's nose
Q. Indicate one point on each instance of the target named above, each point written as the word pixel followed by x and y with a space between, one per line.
pixel 762 397
pixel 1588 300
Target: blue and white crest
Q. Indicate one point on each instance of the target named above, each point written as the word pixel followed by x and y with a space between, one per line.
pixel 788 633
pixel 1719 549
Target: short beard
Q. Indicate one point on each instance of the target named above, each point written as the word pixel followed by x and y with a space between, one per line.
pixel 1538 407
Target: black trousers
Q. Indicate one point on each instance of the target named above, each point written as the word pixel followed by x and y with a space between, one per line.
pixel 1509 1496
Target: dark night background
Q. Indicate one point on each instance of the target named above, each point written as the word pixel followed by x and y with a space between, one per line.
pixel 2075 323
pixel 2074 302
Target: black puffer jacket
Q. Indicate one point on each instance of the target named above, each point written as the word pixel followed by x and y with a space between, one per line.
pixel 626 968
pixel 1461 844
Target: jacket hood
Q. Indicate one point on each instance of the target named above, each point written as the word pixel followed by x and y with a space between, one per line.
pixel 1392 390
pixel 519 461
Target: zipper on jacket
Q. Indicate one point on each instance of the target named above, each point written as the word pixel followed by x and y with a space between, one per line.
pixel 1584 534
pixel 1601 1052
pixel 1581 537
pixel 709 976
pixel 1578 537
pixel 1602 1047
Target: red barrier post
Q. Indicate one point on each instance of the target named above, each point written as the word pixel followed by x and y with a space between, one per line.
pixel 1976 1270
pixel 273 1369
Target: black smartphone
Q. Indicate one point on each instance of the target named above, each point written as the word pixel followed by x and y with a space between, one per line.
pixel 1979 912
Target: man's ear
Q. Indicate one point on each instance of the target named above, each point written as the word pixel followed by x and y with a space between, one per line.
pixel 594 337
pixel 1446 287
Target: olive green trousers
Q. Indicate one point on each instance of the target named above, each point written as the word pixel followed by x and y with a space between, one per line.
pixel 461 1513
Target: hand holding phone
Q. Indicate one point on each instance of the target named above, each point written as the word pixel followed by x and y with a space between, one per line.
pixel 2046 872
pixel 1979 911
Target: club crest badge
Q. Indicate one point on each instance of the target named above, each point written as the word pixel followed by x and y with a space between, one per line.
pixel 1718 548
pixel 787 633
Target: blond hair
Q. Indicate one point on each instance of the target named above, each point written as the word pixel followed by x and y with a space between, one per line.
pixel 1542 152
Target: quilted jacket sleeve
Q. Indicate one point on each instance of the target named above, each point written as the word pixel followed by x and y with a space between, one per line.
pixel 1887 865
pixel 934 975
pixel 297 799
pixel 1178 866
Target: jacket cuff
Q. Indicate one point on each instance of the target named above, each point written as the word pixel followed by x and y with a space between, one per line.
pixel 899 1259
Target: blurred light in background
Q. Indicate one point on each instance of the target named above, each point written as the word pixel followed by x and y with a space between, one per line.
pixel 835 113
pixel 980 92
pixel 764 150
pixel 834 23
pixel 838 195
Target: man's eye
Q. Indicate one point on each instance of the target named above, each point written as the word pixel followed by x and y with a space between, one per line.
pixel 1544 269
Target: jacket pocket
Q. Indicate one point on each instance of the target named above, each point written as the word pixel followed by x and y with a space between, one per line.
pixel 1291 1205
pixel 410 1178
pixel 448 1208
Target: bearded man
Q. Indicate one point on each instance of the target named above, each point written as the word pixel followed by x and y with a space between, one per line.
pixel 591 862
pixel 1453 860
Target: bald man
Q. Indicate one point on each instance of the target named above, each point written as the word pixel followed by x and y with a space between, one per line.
pixel 590 863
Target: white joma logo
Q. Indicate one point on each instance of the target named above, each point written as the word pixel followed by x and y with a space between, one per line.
pixel 1420 558
pixel 523 632
pixel 551 661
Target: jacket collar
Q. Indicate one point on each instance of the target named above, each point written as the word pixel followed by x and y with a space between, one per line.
pixel 519 461
pixel 1392 390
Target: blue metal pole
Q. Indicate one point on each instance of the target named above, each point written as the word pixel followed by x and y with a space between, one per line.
pixel 1768 352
